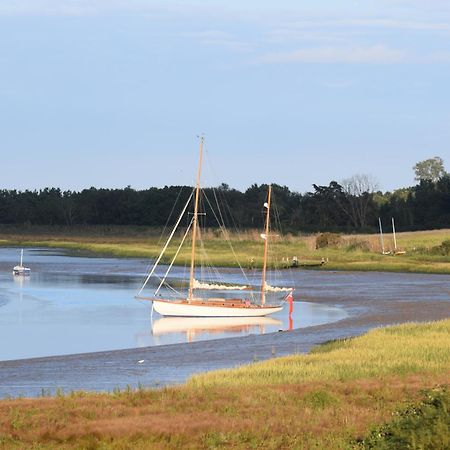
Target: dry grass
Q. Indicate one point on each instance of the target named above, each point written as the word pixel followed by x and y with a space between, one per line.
pixel 303 402
pixel 299 415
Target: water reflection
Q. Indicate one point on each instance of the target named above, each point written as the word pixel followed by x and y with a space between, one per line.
pixel 196 327
pixel 77 304
pixel 20 280
pixel 165 330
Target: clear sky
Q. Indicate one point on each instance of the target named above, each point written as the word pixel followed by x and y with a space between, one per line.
pixel 110 93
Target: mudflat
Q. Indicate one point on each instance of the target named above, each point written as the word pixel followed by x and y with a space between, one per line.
pixel 377 299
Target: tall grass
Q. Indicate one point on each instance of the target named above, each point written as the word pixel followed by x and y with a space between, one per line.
pixel 355 252
pixel 404 349
pixel 322 400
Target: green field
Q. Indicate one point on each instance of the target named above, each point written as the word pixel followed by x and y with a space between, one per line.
pixel 424 249
pixel 336 397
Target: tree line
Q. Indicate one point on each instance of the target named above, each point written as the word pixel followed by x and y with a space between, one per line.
pixel 353 205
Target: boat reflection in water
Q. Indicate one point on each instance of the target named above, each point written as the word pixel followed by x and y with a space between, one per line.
pixel 195 327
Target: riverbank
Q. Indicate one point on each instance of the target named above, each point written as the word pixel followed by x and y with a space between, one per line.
pixel 424 251
pixel 370 300
pixel 330 398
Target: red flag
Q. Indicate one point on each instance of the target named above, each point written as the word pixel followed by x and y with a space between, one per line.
pixel 290 300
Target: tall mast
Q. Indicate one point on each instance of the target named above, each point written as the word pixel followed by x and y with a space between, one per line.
pixel 21 258
pixel 393 232
pixel 266 247
pixel 381 235
pixel 194 224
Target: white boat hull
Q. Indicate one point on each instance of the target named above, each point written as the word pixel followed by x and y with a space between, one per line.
pixel 167 308
pixel 20 270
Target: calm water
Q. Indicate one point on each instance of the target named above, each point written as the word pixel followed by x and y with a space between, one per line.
pixel 78 304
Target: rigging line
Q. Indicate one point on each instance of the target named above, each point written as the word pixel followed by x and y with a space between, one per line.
pixel 278 222
pixel 278 217
pixel 220 224
pixel 207 266
pixel 218 207
pixel 206 261
pixel 170 214
pixel 169 286
pixel 272 276
pixel 174 258
pixel 211 169
pixel 167 244
pixel 233 221
pixel 225 233
pixel 209 272
pixel 227 207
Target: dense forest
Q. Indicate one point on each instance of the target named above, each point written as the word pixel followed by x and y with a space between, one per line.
pixel 350 206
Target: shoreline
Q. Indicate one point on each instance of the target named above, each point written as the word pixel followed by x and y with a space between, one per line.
pixel 175 363
pixel 388 263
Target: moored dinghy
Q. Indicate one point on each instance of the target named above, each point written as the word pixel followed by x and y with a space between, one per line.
pixel 226 301
pixel 20 269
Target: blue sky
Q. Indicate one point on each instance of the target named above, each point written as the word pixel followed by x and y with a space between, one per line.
pixel 110 93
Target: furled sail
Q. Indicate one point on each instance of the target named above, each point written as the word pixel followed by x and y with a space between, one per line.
pixel 277 289
pixel 222 287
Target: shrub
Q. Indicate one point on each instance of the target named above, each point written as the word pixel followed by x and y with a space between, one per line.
pixel 443 249
pixel 445 246
pixel 424 426
pixel 327 240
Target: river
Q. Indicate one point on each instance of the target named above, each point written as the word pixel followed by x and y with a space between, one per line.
pixel 77 305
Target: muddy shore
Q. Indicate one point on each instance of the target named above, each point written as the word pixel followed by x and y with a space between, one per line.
pixel 428 298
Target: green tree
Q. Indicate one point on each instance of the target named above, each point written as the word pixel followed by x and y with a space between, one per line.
pixel 430 169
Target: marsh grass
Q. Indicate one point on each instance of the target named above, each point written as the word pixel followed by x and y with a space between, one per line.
pixel 321 400
pixel 354 252
pixel 395 351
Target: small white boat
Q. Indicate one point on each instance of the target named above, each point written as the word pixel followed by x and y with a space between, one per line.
pixel 396 250
pixel 20 269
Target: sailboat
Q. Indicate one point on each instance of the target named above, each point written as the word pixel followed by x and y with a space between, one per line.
pixel 396 251
pixel 210 299
pixel 20 269
pixel 383 252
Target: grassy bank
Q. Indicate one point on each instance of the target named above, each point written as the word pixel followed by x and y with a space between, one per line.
pixel 424 251
pixel 331 398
